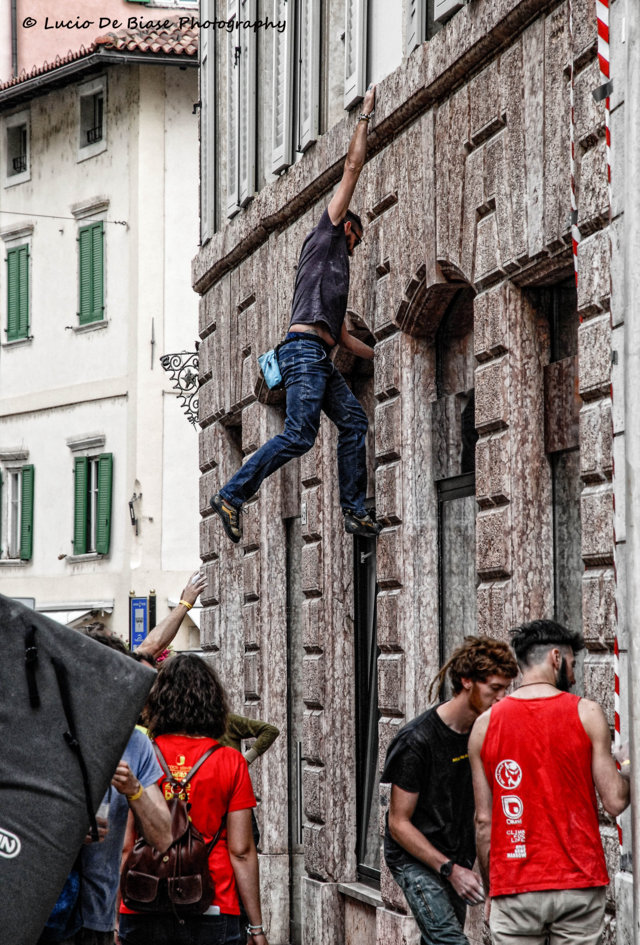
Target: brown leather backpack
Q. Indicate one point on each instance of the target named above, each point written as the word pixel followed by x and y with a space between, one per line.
pixel 177 880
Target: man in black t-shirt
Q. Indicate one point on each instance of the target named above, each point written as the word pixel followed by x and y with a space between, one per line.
pixel 429 841
pixel 312 382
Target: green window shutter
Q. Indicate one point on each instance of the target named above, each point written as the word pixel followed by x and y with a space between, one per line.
pixel 103 524
pixel 18 293
pixel 26 514
pixel 80 506
pixel 91 273
pixel 23 267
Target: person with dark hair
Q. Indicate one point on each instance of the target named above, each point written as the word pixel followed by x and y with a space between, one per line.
pixel 186 715
pixel 134 781
pixel 537 759
pixel 429 843
pixel 312 381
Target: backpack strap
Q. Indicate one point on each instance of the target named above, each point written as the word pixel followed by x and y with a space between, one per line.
pixel 71 738
pixel 177 781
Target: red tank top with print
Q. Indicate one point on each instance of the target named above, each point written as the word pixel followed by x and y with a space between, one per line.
pixel 544 833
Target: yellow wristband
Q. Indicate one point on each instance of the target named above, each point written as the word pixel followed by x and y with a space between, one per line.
pixel 137 795
pixel 185 603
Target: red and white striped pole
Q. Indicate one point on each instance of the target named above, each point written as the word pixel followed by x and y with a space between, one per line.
pixel 575 232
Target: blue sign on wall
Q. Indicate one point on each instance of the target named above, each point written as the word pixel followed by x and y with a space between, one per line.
pixel 138 620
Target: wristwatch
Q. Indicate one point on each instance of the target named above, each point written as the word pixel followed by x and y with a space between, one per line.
pixel 447 868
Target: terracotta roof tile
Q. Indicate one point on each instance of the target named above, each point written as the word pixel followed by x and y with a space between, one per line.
pixel 170 40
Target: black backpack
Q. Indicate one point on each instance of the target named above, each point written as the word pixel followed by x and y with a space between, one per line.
pixel 177 880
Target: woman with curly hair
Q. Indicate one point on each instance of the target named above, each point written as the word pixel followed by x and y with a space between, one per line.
pixel 186 715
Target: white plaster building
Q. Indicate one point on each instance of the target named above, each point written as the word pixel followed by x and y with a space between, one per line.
pixel 98 224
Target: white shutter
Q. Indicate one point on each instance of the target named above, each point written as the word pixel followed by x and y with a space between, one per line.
pixel 207 41
pixel 443 9
pixel 416 32
pixel 355 51
pixel 309 73
pixel 282 118
pixel 233 103
pixel 247 117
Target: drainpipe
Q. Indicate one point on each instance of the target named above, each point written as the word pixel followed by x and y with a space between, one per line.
pixel 14 37
pixel 631 237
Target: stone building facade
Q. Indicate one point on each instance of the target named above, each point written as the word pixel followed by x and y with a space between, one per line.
pixel 491 437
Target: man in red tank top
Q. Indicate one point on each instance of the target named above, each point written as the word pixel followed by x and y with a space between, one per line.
pixel 537 759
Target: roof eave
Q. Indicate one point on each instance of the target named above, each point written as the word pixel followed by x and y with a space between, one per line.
pixel 70 71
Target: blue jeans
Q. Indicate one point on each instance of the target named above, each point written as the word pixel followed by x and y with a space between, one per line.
pixel 436 907
pixel 313 384
pixel 156 929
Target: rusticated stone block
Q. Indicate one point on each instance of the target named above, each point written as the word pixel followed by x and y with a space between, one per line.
pixel 388 429
pixel 487 263
pixel 492 470
pixel 491 407
pixel 249 380
pixel 561 405
pixel 211 593
pixel 490 321
pixel 389 493
pixel 585 28
pixel 316 838
pixel 313 733
pixel 391 683
pixel 493 542
pixel 314 793
pixel 593 274
pixel 594 357
pixel 251 576
pixel 251 624
pixel 251 526
pixel 596 513
pixel 313 680
pixel 599 608
pixel 312 582
pixel 252 416
pixel 395 929
pixel 484 105
pixel 208 485
pixel 252 674
pixel 495 610
pixel 313 623
pixel 359 922
pixel 592 190
pixel 311 513
pixel 387 367
pixel 310 463
pixel 599 683
pixel 210 628
pixel 596 437
pixel 388 629
pixel 207 405
pixel 322 904
pixel 389 558
pixel 209 538
pixel 589 114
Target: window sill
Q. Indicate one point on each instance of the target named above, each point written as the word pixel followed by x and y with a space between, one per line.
pixel 90 326
pixel 17 179
pixel 363 893
pixel 80 559
pixel 17 342
pixel 13 563
pixel 91 150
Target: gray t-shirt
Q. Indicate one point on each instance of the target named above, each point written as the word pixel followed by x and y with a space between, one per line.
pixel 322 280
pixel 100 866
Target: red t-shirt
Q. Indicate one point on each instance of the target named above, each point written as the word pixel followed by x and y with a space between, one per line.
pixel 544 829
pixel 222 784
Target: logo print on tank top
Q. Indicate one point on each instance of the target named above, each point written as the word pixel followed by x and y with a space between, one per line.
pixel 512 806
pixel 508 774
